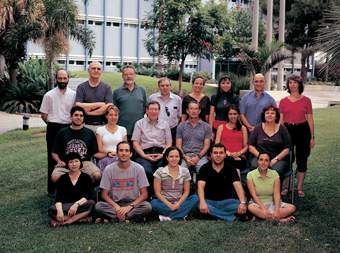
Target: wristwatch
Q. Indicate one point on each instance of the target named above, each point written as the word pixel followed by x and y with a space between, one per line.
pixel 132 205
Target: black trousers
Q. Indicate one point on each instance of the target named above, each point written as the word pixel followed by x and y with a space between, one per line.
pixel 51 132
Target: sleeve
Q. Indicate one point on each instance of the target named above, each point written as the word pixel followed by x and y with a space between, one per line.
pixel 236 100
pixel 273 102
pixel 108 94
pixel 142 181
pixel 94 144
pixel 309 109
pixel 186 174
pixel 179 131
pixel 202 174
pixel 185 103
pixel 207 105
pixel 105 182
pixel 234 174
pixel 243 104
pixel 58 143
pixel 123 131
pixel 137 131
pixel 250 175
pixel 253 136
pixel 80 93
pixel 114 98
pixel 208 132
pixel 157 173
pixel 60 186
pixel 88 187
pixel 168 137
pixel 99 131
pixel 45 105
pixel 213 100
pixel 145 98
pixel 179 107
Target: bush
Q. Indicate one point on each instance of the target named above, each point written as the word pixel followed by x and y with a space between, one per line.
pixel 26 95
pixel 204 74
pixel 239 82
pixel 174 74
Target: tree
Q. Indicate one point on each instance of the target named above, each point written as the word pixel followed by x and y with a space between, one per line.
pixel 20 21
pixel 186 29
pixel 62 23
pixel 329 37
pixel 264 59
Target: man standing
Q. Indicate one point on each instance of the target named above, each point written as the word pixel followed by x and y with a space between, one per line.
pixel 78 139
pixel 151 136
pixel 193 138
pixel 55 111
pixel 252 104
pixel 124 188
pixel 130 100
pixel 171 105
pixel 216 181
pixel 94 97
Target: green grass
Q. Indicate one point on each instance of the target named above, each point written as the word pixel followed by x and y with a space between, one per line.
pixel 24 220
pixel 149 83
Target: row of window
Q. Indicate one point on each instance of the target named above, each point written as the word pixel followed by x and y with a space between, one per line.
pixel 190 66
pixel 82 63
pixel 112 24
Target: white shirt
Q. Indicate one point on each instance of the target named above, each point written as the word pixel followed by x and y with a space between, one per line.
pixel 171 109
pixel 57 105
pixel 110 140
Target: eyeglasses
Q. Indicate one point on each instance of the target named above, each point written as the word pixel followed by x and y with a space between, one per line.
pixel 167 111
pixel 94 68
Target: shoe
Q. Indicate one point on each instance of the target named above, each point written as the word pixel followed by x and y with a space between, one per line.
pixel 164 218
pixel 284 192
pixel 301 194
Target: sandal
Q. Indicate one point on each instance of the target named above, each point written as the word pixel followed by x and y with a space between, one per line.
pixel 55 224
pixel 284 192
pixel 289 219
pixel 301 194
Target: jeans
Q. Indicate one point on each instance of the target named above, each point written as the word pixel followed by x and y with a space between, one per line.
pixel 189 204
pixel 223 209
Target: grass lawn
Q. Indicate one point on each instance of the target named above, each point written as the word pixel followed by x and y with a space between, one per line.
pixel 24 220
pixel 149 83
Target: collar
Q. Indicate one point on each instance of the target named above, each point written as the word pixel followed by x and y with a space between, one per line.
pixel 134 86
pixel 166 170
pixel 158 94
pixel 259 174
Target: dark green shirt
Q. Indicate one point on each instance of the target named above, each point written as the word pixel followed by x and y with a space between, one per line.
pixel 131 105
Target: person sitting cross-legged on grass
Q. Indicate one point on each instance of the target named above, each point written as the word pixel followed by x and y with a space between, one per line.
pixel 216 181
pixel 74 190
pixel 172 187
pixel 124 189
pixel 264 187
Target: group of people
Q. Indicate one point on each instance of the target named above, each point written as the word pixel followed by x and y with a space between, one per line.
pixel 171 155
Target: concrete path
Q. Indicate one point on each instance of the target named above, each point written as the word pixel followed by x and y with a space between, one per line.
pixel 15 121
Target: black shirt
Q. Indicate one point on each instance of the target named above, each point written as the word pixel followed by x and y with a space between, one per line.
pixel 204 106
pixel 222 102
pixel 82 141
pixel 218 185
pixel 69 193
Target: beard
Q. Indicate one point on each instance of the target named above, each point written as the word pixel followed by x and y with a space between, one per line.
pixel 61 85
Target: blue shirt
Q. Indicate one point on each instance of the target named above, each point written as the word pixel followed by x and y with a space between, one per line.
pixel 251 106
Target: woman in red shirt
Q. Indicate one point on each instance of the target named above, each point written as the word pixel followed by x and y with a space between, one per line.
pixel 234 136
pixel 297 115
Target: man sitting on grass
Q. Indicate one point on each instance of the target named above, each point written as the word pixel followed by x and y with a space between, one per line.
pixel 216 181
pixel 124 189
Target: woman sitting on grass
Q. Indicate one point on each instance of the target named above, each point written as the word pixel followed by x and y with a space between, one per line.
pixel 172 187
pixel 264 186
pixel 74 190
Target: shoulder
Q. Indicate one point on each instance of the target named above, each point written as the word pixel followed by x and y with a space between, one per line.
pixel 83 85
pixel 272 173
pixel 100 130
pixel 121 129
pixel 252 173
pixel 85 177
pixel 136 166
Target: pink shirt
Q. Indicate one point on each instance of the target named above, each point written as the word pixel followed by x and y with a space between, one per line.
pixel 295 112
pixel 232 139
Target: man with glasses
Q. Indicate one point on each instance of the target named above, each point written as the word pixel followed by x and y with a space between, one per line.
pixel 171 105
pixel 94 97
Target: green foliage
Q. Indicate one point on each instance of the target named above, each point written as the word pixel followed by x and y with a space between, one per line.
pixel 27 93
pixel 204 74
pixel 264 59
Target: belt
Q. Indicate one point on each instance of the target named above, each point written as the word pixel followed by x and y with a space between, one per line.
pixel 153 150
pixel 296 124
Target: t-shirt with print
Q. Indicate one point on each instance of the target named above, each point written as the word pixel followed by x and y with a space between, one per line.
pixel 172 188
pixel 124 184
pixel 82 141
pixel 218 185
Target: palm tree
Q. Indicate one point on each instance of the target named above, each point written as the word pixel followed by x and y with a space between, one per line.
pixel 329 37
pixel 62 23
pixel 264 59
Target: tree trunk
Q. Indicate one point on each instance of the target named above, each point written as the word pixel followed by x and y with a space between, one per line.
pixel 303 72
pixel 50 75
pixel 13 74
pixel 180 78
pixel 292 61
pixel 2 66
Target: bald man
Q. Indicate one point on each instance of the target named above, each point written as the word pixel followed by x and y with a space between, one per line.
pixel 252 104
pixel 94 97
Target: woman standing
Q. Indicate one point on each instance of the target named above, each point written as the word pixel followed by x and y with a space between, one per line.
pixel 74 191
pixel 221 101
pixel 198 96
pixel 108 136
pixel 297 115
pixel 264 187
pixel 234 136
pixel 172 187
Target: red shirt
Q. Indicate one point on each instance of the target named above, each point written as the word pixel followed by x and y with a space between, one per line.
pixel 232 139
pixel 295 112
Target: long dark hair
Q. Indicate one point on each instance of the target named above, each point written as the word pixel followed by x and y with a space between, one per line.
pixel 238 122
pixel 220 92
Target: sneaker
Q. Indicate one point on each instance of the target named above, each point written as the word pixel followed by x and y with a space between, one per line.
pixel 164 218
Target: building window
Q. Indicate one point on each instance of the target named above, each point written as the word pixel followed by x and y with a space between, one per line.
pixel 90 22
pixel 115 24
pixel 108 63
pixel 61 61
pixel 108 23
pixel 80 63
pixel 71 62
pixel 99 23
pixel 82 22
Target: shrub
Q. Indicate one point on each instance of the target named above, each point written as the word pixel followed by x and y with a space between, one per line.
pixel 239 82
